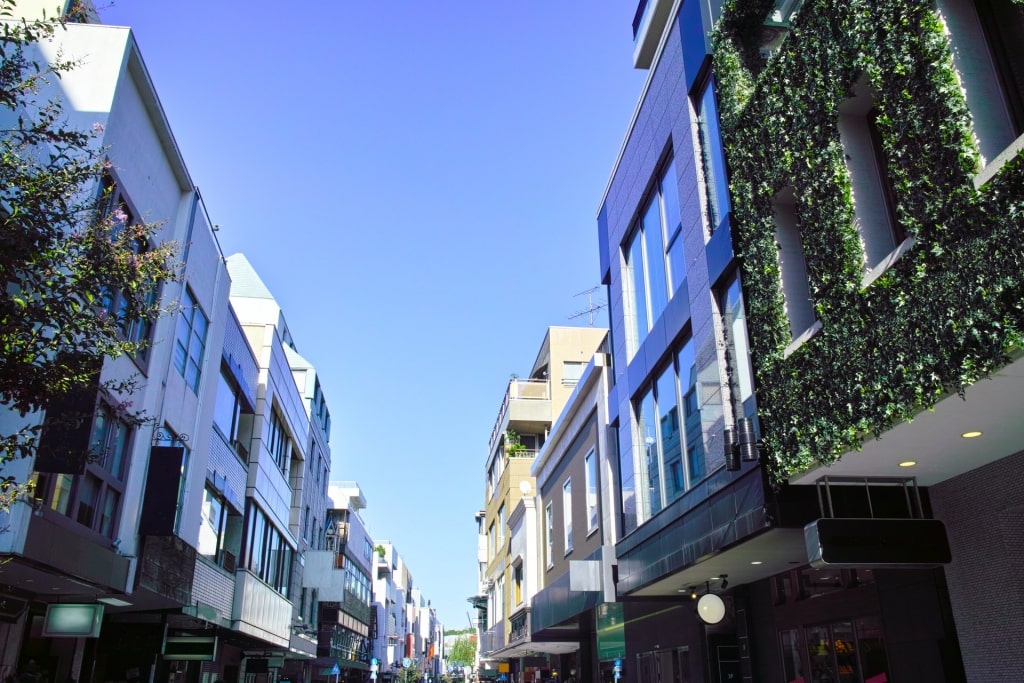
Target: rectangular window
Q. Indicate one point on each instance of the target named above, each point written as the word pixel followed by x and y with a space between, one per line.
pixel 212 525
pixel 190 339
pixel 874 203
pixel 693 423
pixel 135 325
pixel 93 499
pixel 591 483
pixel 986 36
pixel 712 156
pixel 492 541
pixel 517 578
pixel 627 481
pixel 669 434
pixel 268 554
pixel 572 371
pixel 501 527
pixel 792 666
pixel 796 291
pixel 654 258
pixel 650 468
pixel 567 514
pixel 280 445
pixel 549 526
pixel 738 344
pixel 227 409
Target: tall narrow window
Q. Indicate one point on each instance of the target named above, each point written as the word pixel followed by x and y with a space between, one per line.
pixel 693 423
pixel 796 292
pixel 669 434
pixel 986 36
pixel 567 514
pixel 190 339
pixel 636 292
pixel 712 155
pixel 501 526
pixel 280 445
pixel 549 527
pixel 591 474
pixel 737 341
pixel 650 466
pixel 874 205
pixel 655 260
pixel 627 480
pixel 135 325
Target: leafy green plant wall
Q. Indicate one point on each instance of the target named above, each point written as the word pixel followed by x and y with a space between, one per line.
pixel 951 310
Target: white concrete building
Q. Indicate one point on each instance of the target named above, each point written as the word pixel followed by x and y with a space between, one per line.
pixel 95 534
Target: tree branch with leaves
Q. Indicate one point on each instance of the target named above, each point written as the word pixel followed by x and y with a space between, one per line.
pixel 66 250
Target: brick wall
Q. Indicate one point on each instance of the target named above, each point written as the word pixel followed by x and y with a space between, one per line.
pixel 984 514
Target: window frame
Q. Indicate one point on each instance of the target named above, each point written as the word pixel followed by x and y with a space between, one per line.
pixel 567 515
pixel 112 197
pixel 711 151
pixel 590 476
pixel 185 355
pixel 549 521
pixel 63 494
pixel 652 253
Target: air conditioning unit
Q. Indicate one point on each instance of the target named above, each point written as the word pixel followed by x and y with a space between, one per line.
pixel 228 560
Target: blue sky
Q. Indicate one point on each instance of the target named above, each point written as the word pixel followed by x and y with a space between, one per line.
pixel 417 182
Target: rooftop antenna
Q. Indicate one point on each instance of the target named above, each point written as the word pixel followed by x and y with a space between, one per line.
pixel 592 306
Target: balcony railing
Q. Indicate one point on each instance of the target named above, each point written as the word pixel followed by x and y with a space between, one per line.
pixel 519 627
pixel 518 389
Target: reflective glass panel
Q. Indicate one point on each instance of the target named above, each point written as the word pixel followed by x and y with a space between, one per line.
pixel 646 428
pixel 670 434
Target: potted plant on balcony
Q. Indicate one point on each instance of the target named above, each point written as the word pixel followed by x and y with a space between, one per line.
pixel 513 446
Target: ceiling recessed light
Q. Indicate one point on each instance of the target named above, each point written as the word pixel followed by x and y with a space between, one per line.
pixel 756 562
pixel 908 463
pixel 971 435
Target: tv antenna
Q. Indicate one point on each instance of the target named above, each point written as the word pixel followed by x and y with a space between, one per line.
pixel 592 306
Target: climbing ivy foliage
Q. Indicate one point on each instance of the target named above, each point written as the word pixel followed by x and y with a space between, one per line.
pixel 951 310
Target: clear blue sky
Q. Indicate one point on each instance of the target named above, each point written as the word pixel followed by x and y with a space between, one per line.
pixel 417 181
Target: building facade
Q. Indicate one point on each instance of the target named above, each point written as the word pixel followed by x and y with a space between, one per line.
pixel 786 238
pixel 338 580
pixel 524 419
pixel 574 611
pixel 98 536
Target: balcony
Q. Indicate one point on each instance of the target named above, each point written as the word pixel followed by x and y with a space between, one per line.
pixel 260 611
pixel 526 401
pixel 519 627
pixel 648 25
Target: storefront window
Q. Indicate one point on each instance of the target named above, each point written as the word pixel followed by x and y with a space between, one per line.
pixel 792 667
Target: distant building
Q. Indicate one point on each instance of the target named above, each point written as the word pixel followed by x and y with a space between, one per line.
pixel 524 419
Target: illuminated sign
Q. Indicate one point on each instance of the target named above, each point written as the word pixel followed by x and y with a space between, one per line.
pixel 73 620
